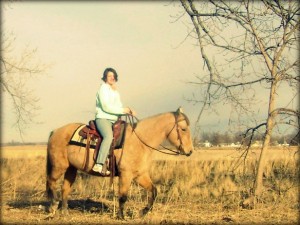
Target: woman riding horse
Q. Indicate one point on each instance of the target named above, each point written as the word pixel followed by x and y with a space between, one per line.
pixel 133 160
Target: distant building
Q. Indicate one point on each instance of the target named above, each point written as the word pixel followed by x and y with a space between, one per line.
pixel 228 145
pixel 285 144
pixel 235 145
pixel 207 144
pixel 257 144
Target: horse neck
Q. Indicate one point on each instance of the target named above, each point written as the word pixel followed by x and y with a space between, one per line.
pixel 154 130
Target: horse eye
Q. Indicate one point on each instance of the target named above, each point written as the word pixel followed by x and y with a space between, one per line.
pixel 183 129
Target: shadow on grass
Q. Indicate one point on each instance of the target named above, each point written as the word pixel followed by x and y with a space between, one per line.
pixel 83 205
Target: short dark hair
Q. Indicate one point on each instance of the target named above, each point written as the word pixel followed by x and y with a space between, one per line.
pixel 104 78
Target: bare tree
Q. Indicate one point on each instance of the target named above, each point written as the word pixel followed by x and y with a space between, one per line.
pixel 16 71
pixel 250 53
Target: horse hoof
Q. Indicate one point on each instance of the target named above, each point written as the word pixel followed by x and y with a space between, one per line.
pixel 65 212
pixel 53 207
pixel 144 212
pixel 50 216
pixel 120 216
pixel 52 210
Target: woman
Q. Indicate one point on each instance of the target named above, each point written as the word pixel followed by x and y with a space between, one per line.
pixel 108 108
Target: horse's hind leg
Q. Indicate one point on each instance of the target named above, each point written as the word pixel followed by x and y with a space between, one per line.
pixel 69 179
pixel 146 182
pixel 52 178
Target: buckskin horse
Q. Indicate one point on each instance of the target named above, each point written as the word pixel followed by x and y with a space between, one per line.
pixel 132 161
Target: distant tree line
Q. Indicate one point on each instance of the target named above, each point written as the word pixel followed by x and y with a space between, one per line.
pixel 17 143
pixel 218 138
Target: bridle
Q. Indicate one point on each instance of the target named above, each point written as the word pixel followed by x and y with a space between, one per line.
pixel 171 151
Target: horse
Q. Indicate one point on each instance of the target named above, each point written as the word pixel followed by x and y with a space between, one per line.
pixel 132 160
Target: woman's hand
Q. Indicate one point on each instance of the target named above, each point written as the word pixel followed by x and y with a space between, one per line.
pixel 129 111
pixel 133 112
pixel 113 86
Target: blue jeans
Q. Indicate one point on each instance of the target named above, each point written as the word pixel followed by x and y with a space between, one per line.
pixel 104 126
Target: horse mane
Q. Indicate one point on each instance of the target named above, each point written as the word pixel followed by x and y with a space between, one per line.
pixel 185 117
pixel 135 124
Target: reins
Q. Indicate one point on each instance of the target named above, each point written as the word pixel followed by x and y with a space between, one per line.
pixel 172 152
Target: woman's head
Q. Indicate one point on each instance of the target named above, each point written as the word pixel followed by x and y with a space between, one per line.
pixel 109 71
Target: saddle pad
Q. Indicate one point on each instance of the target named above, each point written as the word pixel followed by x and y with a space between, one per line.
pixel 76 139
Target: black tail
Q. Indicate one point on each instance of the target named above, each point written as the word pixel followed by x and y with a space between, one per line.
pixel 48 168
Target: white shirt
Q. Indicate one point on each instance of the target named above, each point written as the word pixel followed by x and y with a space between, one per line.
pixel 108 103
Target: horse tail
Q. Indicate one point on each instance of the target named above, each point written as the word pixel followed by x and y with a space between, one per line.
pixel 48 167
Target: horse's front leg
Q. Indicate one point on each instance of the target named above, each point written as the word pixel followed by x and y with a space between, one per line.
pixel 145 181
pixel 124 185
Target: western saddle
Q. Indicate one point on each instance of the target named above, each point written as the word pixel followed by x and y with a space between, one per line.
pixel 90 133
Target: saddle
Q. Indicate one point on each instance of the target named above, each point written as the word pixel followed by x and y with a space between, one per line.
pixel 90 133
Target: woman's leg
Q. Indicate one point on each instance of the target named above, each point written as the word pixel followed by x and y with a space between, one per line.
pixel 105 128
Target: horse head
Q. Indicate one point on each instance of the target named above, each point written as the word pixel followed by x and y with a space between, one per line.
pixel 180 135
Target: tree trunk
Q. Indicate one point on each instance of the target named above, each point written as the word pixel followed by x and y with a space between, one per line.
pixel 258 186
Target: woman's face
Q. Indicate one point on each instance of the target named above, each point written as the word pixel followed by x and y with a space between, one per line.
pixel 110 78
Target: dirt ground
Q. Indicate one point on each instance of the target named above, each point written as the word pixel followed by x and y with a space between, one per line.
pixel 98 211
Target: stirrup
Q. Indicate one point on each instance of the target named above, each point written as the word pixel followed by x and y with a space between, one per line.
pixel 105 171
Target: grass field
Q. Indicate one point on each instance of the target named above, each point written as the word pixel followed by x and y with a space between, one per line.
pixel 206 188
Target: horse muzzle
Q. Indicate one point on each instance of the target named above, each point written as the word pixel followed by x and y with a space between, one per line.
pixel 182 152
pixel 189 153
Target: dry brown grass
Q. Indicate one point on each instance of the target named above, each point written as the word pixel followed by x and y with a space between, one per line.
pixel 205 188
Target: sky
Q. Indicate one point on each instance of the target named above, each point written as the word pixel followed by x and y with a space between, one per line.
pixel 77 40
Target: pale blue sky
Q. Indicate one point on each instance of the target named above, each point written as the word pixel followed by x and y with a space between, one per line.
pixel 140 39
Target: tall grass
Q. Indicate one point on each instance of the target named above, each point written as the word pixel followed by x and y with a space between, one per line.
pixel 177 181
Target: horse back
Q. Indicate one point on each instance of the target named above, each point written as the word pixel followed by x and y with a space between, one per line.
pixel 63 134
pixel 58 142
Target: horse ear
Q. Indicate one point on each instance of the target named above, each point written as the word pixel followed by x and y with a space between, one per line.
pixel 179 110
